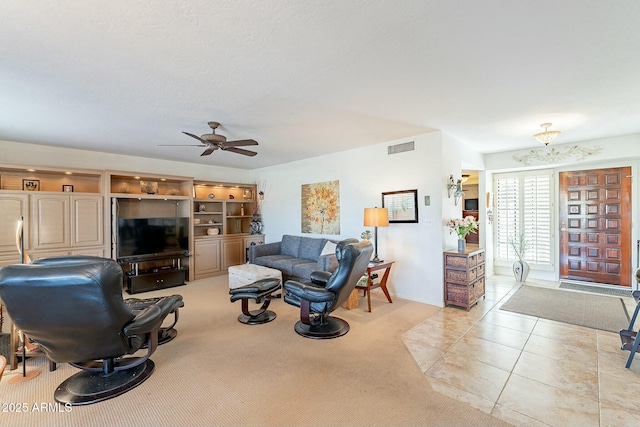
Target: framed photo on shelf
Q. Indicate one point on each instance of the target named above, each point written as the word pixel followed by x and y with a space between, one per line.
pixel 31 184
pixel 402 205
pixel 67 188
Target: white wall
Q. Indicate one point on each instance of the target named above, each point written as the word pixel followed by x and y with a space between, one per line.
pixel 364 174
pixel 41 155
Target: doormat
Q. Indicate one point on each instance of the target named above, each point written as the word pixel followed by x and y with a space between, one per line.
pixel 596 289
pixel 577 308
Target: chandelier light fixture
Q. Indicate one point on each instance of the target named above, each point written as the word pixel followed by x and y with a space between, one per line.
pixel 548 135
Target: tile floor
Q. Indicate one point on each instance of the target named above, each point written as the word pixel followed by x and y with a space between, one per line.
pixel 526 370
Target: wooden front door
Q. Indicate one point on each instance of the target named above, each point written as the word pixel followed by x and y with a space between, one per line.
pixel 595 226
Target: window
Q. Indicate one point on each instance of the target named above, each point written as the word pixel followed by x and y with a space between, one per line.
pixel 523 203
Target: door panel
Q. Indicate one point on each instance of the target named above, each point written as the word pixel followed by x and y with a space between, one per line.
pixel 595 226
pixel 87 225
pixel 50 225
pixel 12 207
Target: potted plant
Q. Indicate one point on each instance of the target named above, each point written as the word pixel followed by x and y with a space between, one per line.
pixel 520 246
pixel 366 235
pixel 462 227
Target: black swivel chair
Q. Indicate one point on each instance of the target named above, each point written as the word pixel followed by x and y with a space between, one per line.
pixel 165 333
pixel 75 311
pixel 327 291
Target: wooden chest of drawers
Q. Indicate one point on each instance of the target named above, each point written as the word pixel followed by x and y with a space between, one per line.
pixel 463 277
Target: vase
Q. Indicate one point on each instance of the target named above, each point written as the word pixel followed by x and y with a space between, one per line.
pixel 462 245
pixel 256 224
pixel 521 271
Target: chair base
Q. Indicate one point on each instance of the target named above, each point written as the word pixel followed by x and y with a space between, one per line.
pixel 259 291
pixel 265 316
pixel 333 327
pixel 164 336
pixel 89 387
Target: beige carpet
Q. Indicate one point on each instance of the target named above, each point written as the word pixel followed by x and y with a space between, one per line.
pixel 606 313
pixel 219 372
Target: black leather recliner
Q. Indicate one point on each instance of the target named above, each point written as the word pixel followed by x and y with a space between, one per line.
pixel 165 333
pixel 73 307
pixel 328 291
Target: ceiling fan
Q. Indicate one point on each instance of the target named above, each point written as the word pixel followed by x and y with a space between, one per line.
pixel 212 142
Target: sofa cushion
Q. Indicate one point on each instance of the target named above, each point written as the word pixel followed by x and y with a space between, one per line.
pixel 310 248
pixel 270 260
pixel 305 269
pixel 287 265
pixel 290 245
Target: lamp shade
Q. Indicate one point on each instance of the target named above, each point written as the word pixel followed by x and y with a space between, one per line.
pixel 376 217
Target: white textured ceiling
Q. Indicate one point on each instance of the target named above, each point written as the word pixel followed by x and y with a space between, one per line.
pixel 308 77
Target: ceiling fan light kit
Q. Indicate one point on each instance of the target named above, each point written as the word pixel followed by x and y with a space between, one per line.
pixel 547 136
pixel 212 142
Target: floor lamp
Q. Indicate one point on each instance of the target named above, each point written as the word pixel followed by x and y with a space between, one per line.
pixel 24 258
pixel 376 217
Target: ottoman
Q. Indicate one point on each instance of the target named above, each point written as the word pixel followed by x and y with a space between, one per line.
pixel 259 291
pixel 245 274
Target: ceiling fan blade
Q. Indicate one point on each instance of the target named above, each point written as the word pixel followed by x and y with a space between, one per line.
pixel 204 141
pixel 181 145
pixel 209 150
pixel 241 143
pixel 241 151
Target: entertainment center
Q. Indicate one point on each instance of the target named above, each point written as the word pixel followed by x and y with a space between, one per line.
pixel 145 275
pixel 150 250
pixel 77 212
pixel 148 221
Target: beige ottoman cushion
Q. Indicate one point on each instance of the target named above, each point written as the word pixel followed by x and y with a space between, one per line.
pixel 245 274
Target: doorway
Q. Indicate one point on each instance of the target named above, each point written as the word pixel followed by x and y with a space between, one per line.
pixel 595 226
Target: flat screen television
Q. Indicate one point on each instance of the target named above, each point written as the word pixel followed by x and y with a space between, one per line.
pixel 470 204
pixel 149 237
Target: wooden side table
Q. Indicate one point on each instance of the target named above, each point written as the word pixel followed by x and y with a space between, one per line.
pixel 386 265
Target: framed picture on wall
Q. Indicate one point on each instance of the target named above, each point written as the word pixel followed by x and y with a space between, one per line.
pixel 402 205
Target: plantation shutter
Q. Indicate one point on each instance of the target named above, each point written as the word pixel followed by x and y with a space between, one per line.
pixel 523 203
pixel 507 215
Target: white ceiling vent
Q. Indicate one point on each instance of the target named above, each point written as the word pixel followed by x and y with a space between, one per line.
pixel 401 148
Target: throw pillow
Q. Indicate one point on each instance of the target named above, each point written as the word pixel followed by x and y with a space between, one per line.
pixel 329 248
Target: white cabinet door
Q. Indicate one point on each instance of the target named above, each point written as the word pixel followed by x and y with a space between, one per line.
pixel 50 221
pixel 62 221
pixel 12 207
pixel 86 221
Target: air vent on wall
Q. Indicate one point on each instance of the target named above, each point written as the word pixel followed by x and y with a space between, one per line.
pixel 401 148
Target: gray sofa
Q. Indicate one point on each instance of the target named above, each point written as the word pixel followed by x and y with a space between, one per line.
pixel 295 256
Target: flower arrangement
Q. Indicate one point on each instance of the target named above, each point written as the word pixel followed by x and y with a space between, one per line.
pixel 463 226
pixel 519 245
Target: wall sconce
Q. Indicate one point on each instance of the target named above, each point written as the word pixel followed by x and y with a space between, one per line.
pixel 451 185
pixel 455 187
pixel 459 194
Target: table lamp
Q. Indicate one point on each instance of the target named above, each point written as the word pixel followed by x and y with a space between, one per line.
pixel 376 217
